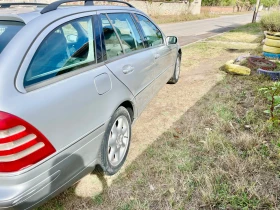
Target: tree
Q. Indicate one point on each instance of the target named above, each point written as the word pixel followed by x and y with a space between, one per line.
pixel 269 3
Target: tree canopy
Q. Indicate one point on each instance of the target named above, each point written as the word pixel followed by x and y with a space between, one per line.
pixel 239 3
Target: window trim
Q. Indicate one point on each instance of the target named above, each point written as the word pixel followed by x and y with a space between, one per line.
pixel 139 29
pixel 19 80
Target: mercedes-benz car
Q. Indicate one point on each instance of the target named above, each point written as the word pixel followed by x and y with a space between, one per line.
pixel 73 80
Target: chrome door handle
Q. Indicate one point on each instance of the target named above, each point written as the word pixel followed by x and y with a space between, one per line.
pixel 128 69
pixel 157 56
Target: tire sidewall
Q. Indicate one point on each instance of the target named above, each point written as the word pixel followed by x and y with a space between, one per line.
pixel 105 163
pixel 178 58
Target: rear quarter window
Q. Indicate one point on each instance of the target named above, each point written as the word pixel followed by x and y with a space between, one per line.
pixel 8 29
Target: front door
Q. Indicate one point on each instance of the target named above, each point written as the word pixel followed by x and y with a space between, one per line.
pixel 127 57
pixel 163 54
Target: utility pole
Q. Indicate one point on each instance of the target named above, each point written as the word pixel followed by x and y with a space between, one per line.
pixel 256 11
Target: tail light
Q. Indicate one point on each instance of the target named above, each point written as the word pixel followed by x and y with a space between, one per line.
pixel 21 144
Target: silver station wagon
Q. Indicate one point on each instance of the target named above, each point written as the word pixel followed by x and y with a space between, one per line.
pixel 73 80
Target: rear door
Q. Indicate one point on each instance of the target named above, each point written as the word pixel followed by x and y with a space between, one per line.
pixel 126 55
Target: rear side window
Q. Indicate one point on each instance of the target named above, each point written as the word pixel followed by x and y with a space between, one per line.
pixel 67 48
pixel 153 36
pixel 8 29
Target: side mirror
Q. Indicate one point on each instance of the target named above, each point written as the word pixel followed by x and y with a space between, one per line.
pixel 171 40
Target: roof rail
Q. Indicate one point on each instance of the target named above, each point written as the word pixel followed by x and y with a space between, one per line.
pixel 8 5
pixel 53 6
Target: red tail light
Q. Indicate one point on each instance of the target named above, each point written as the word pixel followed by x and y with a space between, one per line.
pixel 21 144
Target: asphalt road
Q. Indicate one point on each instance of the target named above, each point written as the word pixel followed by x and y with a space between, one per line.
pixel 191 31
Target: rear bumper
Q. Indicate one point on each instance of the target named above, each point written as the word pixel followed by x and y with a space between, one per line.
pixel 34 187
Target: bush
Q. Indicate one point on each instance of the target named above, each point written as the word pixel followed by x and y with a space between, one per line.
pixel 271 22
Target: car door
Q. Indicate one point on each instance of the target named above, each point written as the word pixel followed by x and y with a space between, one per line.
pixel 127 57
pixel 164 55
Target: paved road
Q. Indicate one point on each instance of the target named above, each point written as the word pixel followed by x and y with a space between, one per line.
pixel 191 31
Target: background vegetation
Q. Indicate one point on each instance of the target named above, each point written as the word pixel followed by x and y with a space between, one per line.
pixel 271 21
pixel 248 4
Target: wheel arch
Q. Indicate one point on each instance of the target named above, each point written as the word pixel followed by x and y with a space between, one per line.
pixel 130 108
pixel 180 52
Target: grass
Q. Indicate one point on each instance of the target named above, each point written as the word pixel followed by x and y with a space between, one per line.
pixel 250 33
pixel 271 21
pixel 223 153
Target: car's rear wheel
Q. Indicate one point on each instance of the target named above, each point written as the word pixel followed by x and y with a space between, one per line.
pixel 116 142
pixel 175 78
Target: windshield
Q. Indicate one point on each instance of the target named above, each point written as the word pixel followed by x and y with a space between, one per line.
pixel 8 29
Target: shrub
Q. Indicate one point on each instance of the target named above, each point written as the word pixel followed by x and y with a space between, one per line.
pixel 271 22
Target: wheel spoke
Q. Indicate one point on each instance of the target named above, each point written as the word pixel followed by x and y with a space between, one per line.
pixel 120 125
pixel 115 129
pixel 112 140
pixel 124 141
pixel 112 153
pixel 124 130
pixel 118 154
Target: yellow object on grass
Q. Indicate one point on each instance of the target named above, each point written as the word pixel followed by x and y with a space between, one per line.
pixel 236 69
pixel 269 49
pixel 273 37
pixel 272 42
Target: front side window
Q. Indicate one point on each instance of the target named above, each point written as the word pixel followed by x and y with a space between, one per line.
pixel 153 36
pixel 8 29
pixel 67 48
pixel 127 31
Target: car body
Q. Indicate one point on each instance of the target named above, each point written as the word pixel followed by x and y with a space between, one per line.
pixel 64 73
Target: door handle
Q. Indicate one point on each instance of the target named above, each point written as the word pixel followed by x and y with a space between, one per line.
pixel 157 56
pixel 128 69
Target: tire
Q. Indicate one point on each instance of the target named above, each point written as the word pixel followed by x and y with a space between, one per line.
pixel 175 78
pixel 272 42
pixel 271 55
pixel 275 50
pixel 274 75
pixel 273 37
pixel 116 142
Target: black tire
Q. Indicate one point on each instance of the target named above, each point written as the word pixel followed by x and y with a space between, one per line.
pixel 107 167
pixel 175 78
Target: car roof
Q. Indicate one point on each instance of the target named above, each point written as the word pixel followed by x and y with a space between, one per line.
pixel 27 13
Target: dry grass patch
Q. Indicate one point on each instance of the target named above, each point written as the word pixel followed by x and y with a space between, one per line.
pixel 249 33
